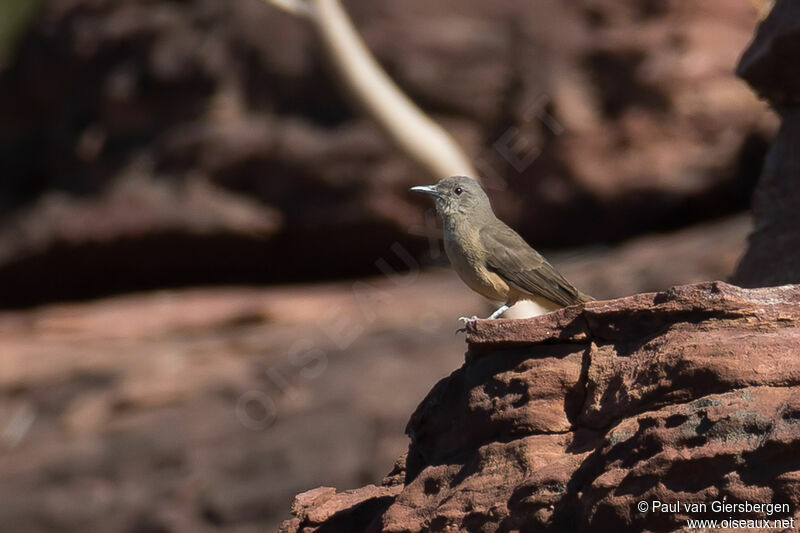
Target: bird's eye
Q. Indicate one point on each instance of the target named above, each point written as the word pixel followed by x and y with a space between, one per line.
pixel 458 190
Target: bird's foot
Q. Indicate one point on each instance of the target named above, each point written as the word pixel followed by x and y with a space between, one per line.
pixel 466 320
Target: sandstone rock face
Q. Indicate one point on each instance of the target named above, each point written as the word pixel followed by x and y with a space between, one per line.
pixel 67 247
pixel 769 62
pixel 567 421
pixel 769 66
pixel 127 414
pixel 143 389
pixel 582 115
pixel 773 256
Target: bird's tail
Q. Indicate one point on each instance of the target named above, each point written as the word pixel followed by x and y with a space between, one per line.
pixel 583 297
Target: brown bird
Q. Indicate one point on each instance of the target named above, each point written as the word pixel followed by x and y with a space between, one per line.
pixel 491 258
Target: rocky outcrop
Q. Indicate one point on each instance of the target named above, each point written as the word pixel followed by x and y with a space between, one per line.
pixel 769 65
pixel 567 421
pixel 199 410
pixel 107 243
pixel 620 111
pixel 142 391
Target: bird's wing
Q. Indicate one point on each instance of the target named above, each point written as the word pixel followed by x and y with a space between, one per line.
pixel 511 258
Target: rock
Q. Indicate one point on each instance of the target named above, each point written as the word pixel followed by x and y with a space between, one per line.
pixel 566 422
pixel 126 414
pixel 582 116
pixel 353 509
pixel 154 378
pixel 137 234
pixel 768 63
pixel 773 257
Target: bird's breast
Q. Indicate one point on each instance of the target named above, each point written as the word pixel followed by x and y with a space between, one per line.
pixel 468 258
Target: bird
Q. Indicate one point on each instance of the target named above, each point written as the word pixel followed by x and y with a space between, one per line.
pixel 490 257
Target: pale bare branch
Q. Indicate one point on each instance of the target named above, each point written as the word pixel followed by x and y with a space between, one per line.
pixel 300 8
pixel 368 85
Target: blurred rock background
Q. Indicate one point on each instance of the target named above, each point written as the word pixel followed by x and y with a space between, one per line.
pixel 150 144
pixel 154 145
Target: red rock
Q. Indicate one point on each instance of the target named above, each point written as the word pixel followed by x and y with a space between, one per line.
pixel 567 325
pixel 768 63
pixel 773 257
pixel 139 233
pixel 318 506
pixel 692 394
pixel 123 414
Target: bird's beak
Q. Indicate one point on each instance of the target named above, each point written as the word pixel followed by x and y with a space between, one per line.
pixel 426 189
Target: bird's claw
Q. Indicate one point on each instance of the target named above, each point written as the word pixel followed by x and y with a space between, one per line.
pixel 466 320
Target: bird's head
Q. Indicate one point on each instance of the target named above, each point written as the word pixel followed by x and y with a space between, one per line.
pixel 457 195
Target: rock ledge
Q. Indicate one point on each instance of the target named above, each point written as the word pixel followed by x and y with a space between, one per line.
pixel 565 422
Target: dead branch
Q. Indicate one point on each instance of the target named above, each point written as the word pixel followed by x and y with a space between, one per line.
pixel 368 85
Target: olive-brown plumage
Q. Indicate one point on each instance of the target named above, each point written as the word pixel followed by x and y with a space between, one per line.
pixel 491 258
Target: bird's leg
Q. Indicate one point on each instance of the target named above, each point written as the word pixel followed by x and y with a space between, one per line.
pixel 467 319
pixel 500 310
